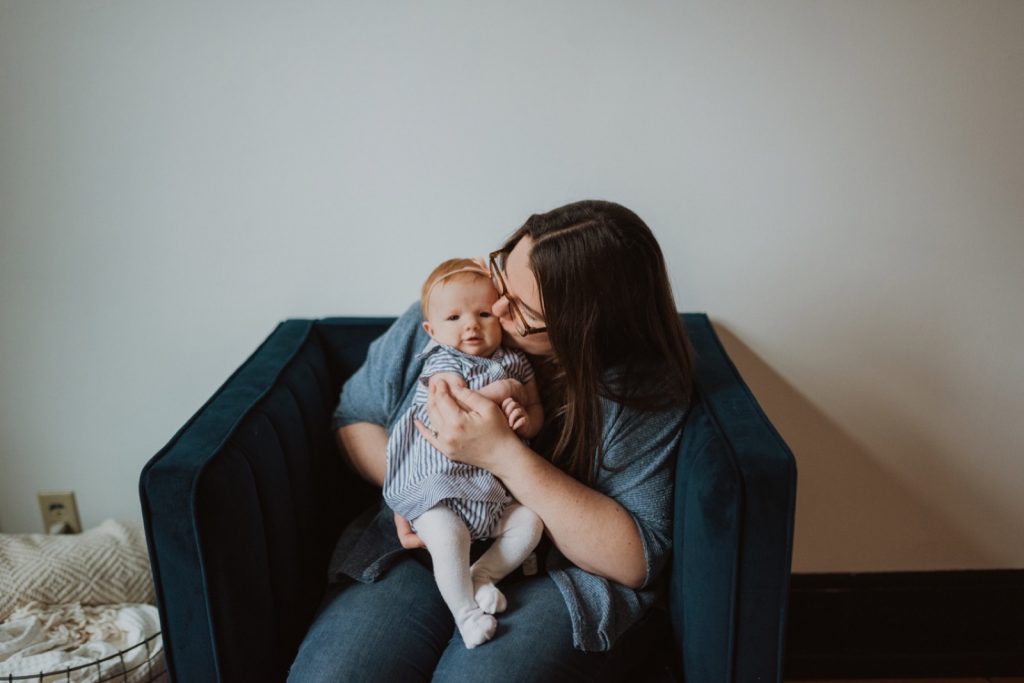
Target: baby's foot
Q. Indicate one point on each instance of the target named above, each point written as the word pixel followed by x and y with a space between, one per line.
pixel 489 598
pixel 477 628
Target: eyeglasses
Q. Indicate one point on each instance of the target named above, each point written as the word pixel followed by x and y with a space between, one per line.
pixel 497 261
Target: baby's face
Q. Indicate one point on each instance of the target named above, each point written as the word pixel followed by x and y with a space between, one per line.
pixel 459 315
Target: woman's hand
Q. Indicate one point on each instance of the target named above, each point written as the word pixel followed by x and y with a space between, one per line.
pixel 468 427
pixel 406 536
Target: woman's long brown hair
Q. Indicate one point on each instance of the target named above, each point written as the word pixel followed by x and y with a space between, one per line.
pixel 612 322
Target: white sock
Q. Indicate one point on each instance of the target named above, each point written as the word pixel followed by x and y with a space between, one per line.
pixel 516 535
pixel 447 540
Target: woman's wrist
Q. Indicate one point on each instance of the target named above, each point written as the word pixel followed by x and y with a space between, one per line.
pixel 514 457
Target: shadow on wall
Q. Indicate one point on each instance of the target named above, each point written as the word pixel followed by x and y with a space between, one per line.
pixel 853 514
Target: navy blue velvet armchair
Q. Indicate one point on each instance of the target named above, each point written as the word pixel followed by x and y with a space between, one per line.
pixel 243 505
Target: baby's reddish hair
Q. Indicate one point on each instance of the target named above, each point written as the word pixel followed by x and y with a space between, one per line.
pixel 452 268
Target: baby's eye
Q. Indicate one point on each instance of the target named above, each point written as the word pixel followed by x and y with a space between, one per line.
pixel 453 317
pixel 485 314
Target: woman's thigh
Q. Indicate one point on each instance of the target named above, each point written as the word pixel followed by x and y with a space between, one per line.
pixel 394 629
pixel 534 644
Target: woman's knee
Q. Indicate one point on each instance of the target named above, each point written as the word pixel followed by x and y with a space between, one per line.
pixel 393 629
pixel 534 642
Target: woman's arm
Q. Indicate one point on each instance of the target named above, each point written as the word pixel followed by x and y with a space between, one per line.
pixel 591 529
pixel 364 447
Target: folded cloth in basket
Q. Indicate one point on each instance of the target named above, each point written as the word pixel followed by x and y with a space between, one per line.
pixel 42 640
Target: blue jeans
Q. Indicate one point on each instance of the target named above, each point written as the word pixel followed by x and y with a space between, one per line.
pixel 399 629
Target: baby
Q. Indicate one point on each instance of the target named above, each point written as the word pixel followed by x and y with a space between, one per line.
pixel 451 504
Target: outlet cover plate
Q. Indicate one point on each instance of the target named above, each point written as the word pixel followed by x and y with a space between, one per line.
pixel 57 507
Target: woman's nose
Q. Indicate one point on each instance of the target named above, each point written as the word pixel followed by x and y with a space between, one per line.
pixel 500 307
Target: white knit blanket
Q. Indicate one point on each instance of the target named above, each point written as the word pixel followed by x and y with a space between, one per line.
pixel 40 639
pixel 105 565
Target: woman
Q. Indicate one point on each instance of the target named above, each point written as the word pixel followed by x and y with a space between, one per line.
pixel 585 293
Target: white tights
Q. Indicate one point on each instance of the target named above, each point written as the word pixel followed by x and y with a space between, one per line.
pixel 470 592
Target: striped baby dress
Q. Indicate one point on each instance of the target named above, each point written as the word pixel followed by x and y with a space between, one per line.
pixel 419 476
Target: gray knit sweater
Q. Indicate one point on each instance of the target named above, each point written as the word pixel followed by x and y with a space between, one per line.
pixel 639 456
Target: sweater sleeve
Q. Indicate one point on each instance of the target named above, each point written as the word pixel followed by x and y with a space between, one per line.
pixel 637 472
pixel 376 392
pixel 639 457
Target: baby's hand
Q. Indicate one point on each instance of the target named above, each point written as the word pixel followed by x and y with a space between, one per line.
pixel 518 419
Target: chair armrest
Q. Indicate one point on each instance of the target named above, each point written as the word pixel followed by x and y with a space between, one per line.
pixel 735 504
pixel 241 509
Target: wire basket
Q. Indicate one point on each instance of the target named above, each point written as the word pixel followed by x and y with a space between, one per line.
pixel 113 669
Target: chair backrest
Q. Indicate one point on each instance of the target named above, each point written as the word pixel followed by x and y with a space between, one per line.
pixel 242 508
pixel 733 535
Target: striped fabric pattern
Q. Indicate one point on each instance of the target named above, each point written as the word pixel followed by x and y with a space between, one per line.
pixel 419 476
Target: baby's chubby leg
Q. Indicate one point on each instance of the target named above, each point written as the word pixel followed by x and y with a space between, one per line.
pixel 447 539
pixel 516 535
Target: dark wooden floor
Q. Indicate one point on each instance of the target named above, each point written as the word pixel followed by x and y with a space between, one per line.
pixel 922 680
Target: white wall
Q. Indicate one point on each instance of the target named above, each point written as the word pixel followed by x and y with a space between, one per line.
pixel 838 184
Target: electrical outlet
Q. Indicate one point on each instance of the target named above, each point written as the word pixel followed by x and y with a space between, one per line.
pixel 60 514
